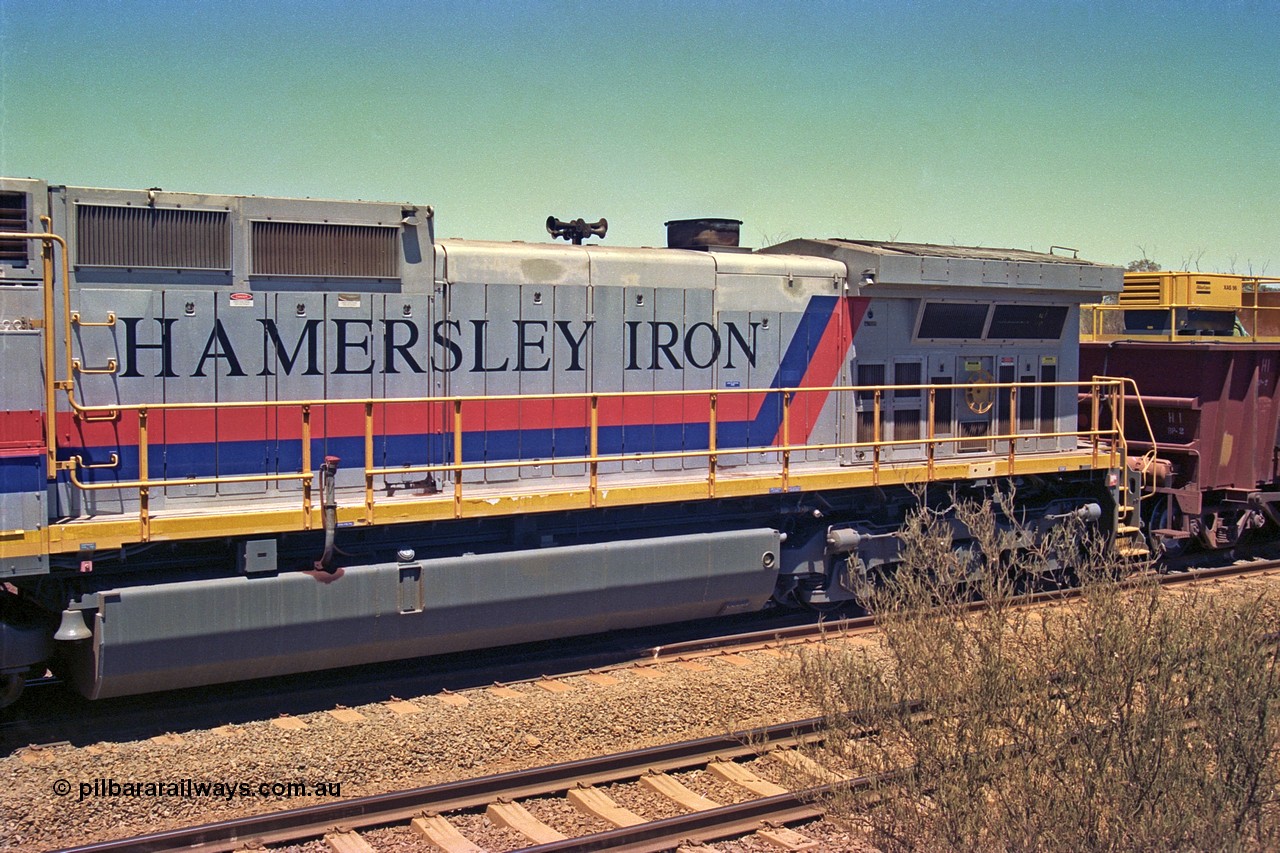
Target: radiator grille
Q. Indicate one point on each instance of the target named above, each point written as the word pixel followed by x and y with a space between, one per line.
pixel 13 217
pixel 163 238
pixel 316 249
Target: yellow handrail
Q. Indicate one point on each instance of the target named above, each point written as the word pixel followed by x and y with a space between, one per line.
pixel 1245 333
pixel 1101 387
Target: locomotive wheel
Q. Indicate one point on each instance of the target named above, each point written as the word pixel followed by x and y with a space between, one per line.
pixel 11 684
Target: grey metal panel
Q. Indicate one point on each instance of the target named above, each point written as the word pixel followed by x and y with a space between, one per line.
pixel 732 372
pixel 482 262
pixel 779 265
pixel 296 359
pixel 416 430
pixel 668 375
pixel 243 447
pixel 173 635
pixel 492 336
pixel 352 359
pixel 771 338
pixel 935 269
pixel 906 408
pixel 700 351
pixel 995 272
pixel 941 364
pixel 188 432
pixel 972 271
pixel 1065 278
pixel 639 307
pixel 535 366
pixel 1027 358
pixel 608 362
pixel 573 367
pixel 613 266
pixel 466 303
pixel 805 406
pixel 20 387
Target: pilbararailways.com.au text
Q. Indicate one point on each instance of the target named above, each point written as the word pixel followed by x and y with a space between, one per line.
pixel 190 789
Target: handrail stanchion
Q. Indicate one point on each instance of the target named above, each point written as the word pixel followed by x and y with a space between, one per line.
pixel 1122 443
pixel 1095 421
pixel 368 461
pixel 711 447
pixel 876 437
pixel 1013 424
pixel 457 458
pixel 595 450
pixel 144 474
pixel 306 467
pixel 786 439
pixel 931 437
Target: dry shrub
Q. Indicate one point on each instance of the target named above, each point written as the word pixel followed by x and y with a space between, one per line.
pixel 1133 719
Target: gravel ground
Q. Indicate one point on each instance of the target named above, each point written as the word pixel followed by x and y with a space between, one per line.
pixel 386 750
pixel 397 745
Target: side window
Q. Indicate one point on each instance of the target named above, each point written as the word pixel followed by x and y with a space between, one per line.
pixel 1028 322
pixel 952 320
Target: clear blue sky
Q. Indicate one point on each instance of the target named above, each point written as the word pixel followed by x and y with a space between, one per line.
pixel 1105 126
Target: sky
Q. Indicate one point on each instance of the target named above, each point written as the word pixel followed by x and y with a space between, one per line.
pixel 1123 130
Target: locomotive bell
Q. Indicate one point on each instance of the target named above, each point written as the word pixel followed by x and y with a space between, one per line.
pixel 72 627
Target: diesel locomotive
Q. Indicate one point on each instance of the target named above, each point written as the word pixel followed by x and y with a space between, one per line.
pixel 245 436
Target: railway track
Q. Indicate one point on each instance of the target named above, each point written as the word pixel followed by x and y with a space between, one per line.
pixel 435 813
pixel 584 784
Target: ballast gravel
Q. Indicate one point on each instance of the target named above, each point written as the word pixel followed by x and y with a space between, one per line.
pixel 169 782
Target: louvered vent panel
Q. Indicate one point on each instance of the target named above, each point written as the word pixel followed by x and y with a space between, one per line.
pixel 164 238
pixel 317 249
pixel 1141 291
pixel 13 217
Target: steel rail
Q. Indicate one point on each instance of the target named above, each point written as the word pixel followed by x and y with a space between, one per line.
pixel 314 821
pixel 709 825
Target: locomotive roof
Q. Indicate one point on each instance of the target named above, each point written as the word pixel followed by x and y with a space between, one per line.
pixel 970 268
pixel 936 250
pixel 530 263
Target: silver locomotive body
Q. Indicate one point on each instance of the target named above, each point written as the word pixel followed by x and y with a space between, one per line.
pixel 248 436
